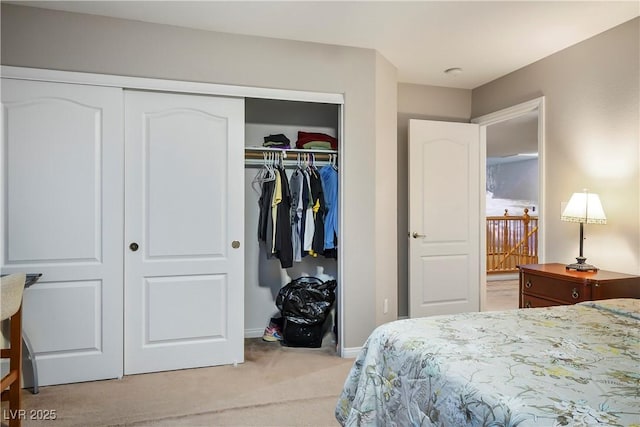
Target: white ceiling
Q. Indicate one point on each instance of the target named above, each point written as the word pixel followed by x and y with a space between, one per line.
pixel 421 38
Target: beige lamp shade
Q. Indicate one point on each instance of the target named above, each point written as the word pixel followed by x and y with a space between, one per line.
pixel 584 207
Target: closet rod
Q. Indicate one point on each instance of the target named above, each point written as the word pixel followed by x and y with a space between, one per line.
pixel 255 153
pixel 251 163
pixel 319 157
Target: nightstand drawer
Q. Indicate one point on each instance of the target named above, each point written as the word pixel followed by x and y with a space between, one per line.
pixel 542 285
pixel 561 290
pixel 529 301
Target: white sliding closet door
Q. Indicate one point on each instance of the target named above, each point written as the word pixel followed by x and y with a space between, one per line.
pixel 62 216
pixel 184 277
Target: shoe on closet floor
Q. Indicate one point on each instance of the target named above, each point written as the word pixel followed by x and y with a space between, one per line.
pixel 273 332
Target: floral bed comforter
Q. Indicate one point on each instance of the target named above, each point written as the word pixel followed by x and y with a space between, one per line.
pixel 576 365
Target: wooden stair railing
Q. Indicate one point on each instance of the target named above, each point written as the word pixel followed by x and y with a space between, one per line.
pixel 511 241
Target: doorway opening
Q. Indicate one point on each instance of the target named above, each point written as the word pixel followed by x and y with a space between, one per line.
pixel 512 179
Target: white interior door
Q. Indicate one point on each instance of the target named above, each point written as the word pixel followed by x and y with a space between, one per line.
pixel 444 218
pixel 184 197
pixel 62 216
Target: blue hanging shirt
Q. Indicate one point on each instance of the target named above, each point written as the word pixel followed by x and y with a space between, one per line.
pixel 329 177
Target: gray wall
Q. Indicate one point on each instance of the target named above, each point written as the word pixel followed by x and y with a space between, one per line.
pixel 67 41
pixel 514 180
pixel 386 267
pixel 427 103
pixel 592 140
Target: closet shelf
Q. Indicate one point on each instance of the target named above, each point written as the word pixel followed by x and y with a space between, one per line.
pixel 288 150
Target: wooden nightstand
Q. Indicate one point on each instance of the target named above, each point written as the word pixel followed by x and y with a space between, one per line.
pixel 543 285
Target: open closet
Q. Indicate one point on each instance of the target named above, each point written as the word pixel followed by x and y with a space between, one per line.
pixel 128 195
pixel 265 274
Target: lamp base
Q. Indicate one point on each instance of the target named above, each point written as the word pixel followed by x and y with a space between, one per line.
pixel 581 265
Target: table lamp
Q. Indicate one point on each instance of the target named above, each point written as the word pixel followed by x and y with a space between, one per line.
pixel 584 208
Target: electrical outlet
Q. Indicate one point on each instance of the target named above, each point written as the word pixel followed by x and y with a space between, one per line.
pixel 385 306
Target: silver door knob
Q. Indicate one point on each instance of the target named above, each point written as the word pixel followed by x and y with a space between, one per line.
pixel 415 235
pixel 235 244
pixel 133 246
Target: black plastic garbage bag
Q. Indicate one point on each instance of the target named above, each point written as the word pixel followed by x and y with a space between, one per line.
pixel 305 304
pixel 306 300
pixel 295 335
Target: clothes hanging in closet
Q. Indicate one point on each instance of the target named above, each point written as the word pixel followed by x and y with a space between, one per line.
pixel 274 229
pixel 283 249
pixel 298 216
pixel 329 178
pixel 295 185
pixel 318 209
pixel 264 227
pixel 308 225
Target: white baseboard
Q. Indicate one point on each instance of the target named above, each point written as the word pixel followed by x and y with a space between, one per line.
pixel 350 352
pixel 253 333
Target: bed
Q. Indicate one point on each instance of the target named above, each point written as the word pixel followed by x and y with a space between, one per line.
pixel 576 365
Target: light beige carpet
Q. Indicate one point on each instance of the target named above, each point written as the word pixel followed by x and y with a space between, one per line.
pixel 276 386
pixel 502 295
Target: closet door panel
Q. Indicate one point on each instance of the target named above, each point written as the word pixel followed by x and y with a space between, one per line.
pixel 186 213
pixel 80 301
pixel 196 300
pixel 63 158
pixel 62 153
pixel 184 286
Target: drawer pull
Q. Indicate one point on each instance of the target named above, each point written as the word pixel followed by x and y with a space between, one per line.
pixel 575 294
pixel 528 284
